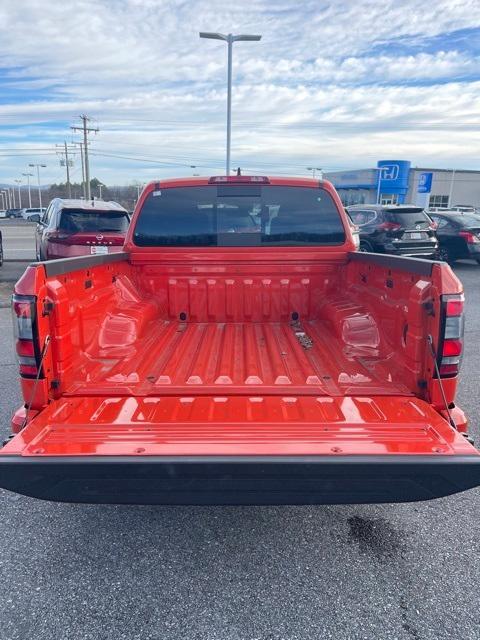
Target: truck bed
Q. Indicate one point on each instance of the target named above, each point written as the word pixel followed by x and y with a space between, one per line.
pixel 177 357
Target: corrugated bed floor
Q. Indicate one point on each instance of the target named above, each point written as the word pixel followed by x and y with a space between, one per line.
pixel 275 357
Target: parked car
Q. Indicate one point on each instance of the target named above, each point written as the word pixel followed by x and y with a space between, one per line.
pixel 33 214
pixel 13 213
pixel 396 229
pixel 78 227
pixel 465 208
pixel 458 236
pixel 3 213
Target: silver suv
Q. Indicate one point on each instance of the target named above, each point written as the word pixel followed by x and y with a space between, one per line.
pixel 34 214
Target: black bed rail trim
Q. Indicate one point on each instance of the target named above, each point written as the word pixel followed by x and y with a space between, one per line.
pixel 67 265
pixel 411 265
pixel 239 480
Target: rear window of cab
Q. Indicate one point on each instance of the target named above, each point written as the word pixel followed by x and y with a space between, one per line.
pixel 239 215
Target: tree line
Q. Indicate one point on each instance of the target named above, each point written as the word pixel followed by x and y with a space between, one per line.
pixel 124 195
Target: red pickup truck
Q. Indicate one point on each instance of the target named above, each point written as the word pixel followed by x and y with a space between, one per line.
pixel 239 351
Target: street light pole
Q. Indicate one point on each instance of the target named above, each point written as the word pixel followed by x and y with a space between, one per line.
pixel 229 39
pixel 19 182
pixel 28 176
pixel 313 169
pixel 100 185
pixel 38 178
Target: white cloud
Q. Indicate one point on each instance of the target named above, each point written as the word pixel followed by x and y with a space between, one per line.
pixel 324 85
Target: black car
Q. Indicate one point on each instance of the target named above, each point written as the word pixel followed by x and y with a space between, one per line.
pixel 13 213
pixel 458 236
pixel 404 230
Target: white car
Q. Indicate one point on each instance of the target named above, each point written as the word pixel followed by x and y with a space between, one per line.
pixel 465 208
pixel 34 214
pixel 3 213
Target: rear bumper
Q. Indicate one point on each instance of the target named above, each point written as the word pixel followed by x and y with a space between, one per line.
pixel 242 480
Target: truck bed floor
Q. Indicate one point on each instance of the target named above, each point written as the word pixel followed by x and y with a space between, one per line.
pixel 204 358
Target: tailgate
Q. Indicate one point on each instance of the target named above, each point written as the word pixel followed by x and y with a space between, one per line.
pixel 239 450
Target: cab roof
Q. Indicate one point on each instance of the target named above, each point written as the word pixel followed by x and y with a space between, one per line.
pixel 199 181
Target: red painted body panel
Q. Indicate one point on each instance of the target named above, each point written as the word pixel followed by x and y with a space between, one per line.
pixel 238 425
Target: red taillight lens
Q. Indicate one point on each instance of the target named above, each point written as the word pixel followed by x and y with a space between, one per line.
pixel 57 236
pixel 23 308
pixel 389 226
pixel 448 370
pixel 452 348
pixel 95 239
pixel 451 339
pixel 25 348
pixel 455 307
pixel 433 226
pixel 471 238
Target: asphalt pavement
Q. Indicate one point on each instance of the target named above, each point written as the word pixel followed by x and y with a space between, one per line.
pixel 396 572
pixel 18 239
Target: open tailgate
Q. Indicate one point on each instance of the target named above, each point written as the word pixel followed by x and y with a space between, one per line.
pixel 238 450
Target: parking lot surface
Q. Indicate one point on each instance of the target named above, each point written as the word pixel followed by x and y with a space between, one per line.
pixel 406 572
pixel 18 239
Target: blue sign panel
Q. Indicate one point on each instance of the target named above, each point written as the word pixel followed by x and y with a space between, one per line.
pixel 393 178
pixel 425 183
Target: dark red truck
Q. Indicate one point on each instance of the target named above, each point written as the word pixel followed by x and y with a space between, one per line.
pixel 239 351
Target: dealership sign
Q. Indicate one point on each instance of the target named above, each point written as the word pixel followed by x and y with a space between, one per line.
pixel 425 183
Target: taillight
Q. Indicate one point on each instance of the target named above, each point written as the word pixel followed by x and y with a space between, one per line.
pixel 451 339
pixel 433 226
pixel 471 238
pixel 25 332
pixel 57 236
pixel 96 239
pixel 389 226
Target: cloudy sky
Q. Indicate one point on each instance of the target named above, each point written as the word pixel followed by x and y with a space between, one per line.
pixel 334 84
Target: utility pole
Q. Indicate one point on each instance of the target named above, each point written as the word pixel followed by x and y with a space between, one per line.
pixel 28 176
pixel 86 130
pixel 80 144
pixel 68 164
pixel 19 182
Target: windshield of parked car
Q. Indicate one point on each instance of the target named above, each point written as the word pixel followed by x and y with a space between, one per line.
pixel 80 221
pixel 238 215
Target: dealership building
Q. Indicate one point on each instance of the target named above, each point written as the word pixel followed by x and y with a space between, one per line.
pixel 397 182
